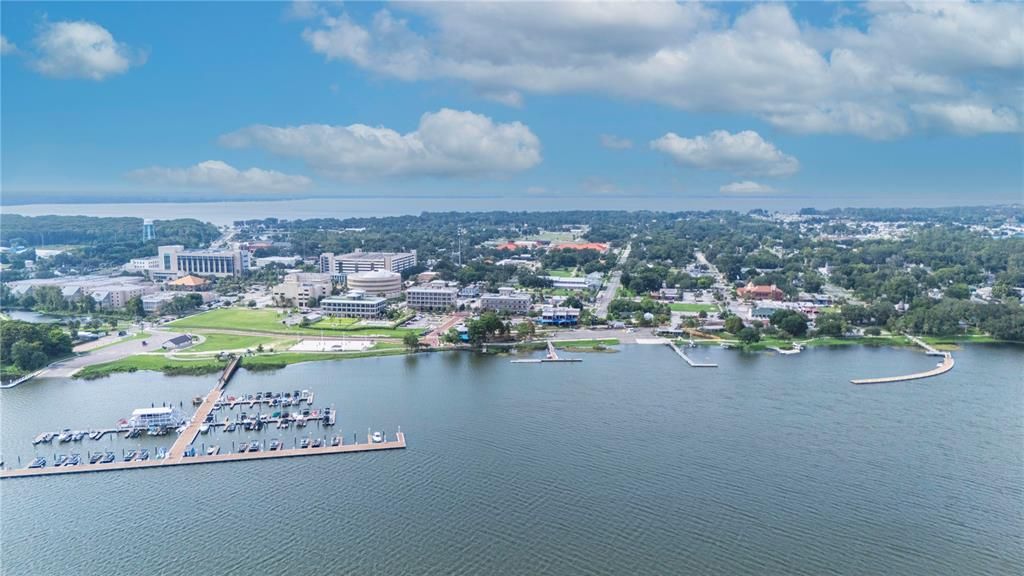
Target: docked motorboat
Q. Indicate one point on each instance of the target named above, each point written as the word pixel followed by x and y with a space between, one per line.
pixel 39 462
pixel 213 450
pixel 378 437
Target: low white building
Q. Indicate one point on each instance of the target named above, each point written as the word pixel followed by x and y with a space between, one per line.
pixel 433 296
pixel 299 288
pixel 355 304
pixel 507 300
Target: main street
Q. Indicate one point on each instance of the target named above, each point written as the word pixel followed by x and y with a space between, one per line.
pixel 605 297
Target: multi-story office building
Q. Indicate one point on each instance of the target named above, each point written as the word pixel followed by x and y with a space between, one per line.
pixel 355 304
pixel 433 296
pixel 297 289
pixel 507 300
pixel 148 230
pixel 376 282
pixel 115 296
pixel 175 261
pixel 360 261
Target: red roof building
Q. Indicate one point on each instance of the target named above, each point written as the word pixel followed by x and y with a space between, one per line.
pixel 602 248
pixel 761 292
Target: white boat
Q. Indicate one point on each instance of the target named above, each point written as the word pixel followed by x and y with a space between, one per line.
pixel 378 437
pixel 212 450
pixel 204 428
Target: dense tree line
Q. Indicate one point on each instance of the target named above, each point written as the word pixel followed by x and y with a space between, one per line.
pixel 30 346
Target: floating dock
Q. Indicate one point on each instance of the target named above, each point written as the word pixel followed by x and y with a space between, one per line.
pixel 941 368
pixel 688 360
pixel 176 454
pixel 398 443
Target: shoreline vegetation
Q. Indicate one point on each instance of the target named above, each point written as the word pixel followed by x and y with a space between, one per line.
pixel 176 365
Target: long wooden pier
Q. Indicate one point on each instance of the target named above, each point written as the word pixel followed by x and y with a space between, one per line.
pixel 188 435
pixel 945 366
pixel 688 360
pixel 397 443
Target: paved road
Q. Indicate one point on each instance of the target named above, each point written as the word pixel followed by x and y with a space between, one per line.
pixel 434 338
pixel 608 294
pixel 66 368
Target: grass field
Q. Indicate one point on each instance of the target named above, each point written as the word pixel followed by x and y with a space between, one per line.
pixel 154 362
pixel 560 272
pixel 270 321
pixel 692 307
pixel 331 323
pixel 216 342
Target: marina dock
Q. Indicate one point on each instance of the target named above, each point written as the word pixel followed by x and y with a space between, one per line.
pixel 178 454
pixel 690 361
pixel 941 368
pixel 397 443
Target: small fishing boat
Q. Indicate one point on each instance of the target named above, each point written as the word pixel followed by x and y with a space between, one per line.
pixel 243 447
pixel 130 455
pixel 143 454
pixel 230 427
pixel 254 446
pixel 318 443
pixel 39 462
pixel 336 441
pixel 378 437
pixel 108 458
pixel 95 457
pixel 161 453
pixel 204 428
pixel 275 444
pixel 60 460
pixel 77 436
pixel 304 443
pixel 197 400
pixel 65 435
pixel 212 450
pixel 74 460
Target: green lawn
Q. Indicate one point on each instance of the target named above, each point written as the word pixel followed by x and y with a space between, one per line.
pixel 234 319
pixel 332 323
pixel 270 321
pixel 692 307
pixel 153 362
pixel 560 272
pixel 215 342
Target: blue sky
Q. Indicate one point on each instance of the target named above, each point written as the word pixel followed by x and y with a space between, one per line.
pixel 829 105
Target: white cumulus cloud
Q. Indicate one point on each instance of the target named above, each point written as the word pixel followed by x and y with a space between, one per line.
pixel 222 176
pixel 862 78
pixel 6 46
pixel 741 153
pixel 82 49
pixel 968 119
pixel 745 187
pixel 446 143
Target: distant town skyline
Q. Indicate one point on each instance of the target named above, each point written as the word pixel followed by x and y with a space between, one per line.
pixel 766 105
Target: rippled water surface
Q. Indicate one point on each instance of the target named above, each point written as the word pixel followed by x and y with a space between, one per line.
pixel 627 463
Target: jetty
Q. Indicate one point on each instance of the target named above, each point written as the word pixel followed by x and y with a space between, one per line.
pixel 689 360
pixel 942 367
pixel 551 357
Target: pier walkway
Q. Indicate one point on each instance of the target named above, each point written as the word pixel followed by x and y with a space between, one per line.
pixel 397 443
pixel 941 368
pixel 688 360
pixel 188 435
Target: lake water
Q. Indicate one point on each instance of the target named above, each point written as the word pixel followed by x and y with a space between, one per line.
pixel 628 463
